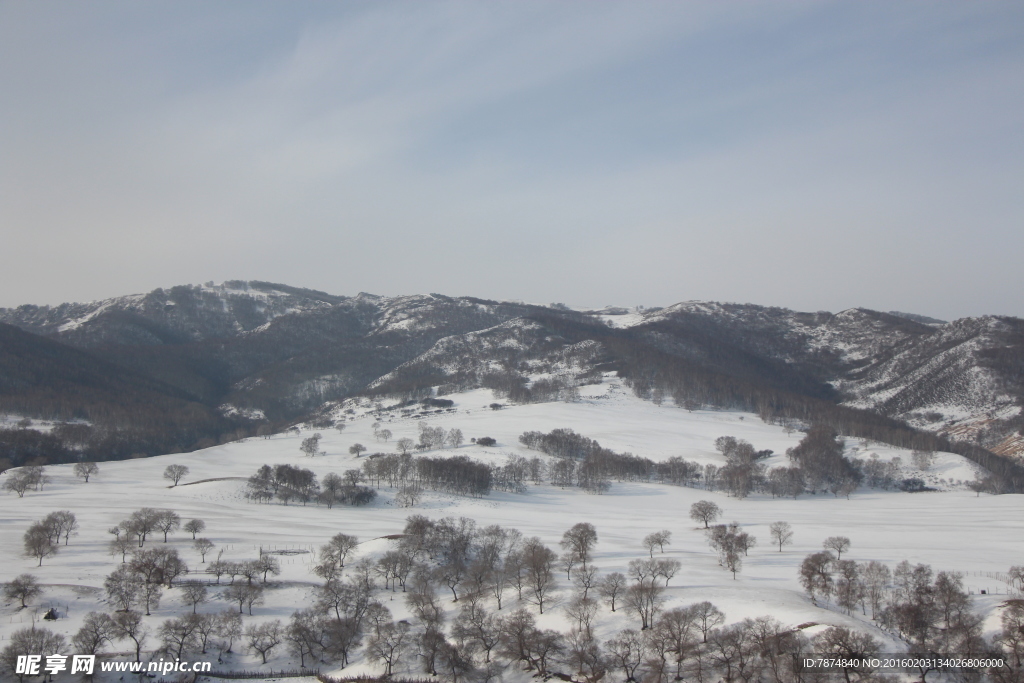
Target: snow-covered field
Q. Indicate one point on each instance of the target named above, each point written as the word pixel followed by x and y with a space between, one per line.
pixel 951 529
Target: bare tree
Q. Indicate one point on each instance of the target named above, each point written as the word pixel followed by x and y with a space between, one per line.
pixel 22 588
pixel 19 481
pixel 676 628
pixel 782 534
pixel 876 578
pixel 706 617
pixel 333 554
pixel 539 565
pixel 61 523
pixel 245 595
pixel 202 546
pixel 38 542
pixel 311 445
pixel 30 641
pixel 840 544
pixel 179 636
pixel 84 470
pixel 627 651
pixel 128 626
pixel 229 625
pixel 612 588
pixel 658 539
pixel 816 574
pixel 264 637
pixel 168 521
pixel 666 569
pixel 150 592
pixel 579 541
pixel 194 526
pixel 405 445
pixel 193 593
pixel 97 630
pixel 644 598
pixel 357 449
pixel 582 610
pixel 175 473
pixel 388 645
pixel 123 587
pixel 268 564
pixel 923 459
pixel 455 438
pixel 121 544
pixel 705 511
pixel 585 578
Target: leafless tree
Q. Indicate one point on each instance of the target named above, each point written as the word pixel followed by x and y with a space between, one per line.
pixel 627 651
pixel 707 617
pixel 229 626
pixel 658 539
pixel 612 587
pixel 840 544
pixel 38 542
pixel 782 534
pixel 389 645
pixel 194 526
pixel 582 610
pixel 168 521
pixel 264 637
pixel 30 641
pixel 175 473
pixel 539 566
pixel 816 574
pixel 268 564
pixel 193 593
pixel 579 541
pixel 22 588
pixel 357 449
pixel 705 511
pixel 585 578
pixel 666 569
pixel 61 523
pixel 18 481
pixel 245 595
pixel 84 470
pixel 923 459
pixel 128 626
pixel 123 587
pixel 311 445
pixel 202 546
pixel 645 599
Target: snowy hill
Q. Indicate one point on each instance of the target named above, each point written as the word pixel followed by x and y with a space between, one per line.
pixel 255 353
pixel 933 528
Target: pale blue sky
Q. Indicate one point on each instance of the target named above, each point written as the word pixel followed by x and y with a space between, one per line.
pixel 813 155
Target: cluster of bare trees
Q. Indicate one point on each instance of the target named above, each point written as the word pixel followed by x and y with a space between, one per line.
pixel 24 478
pixel 930 611
pixel 731 544
pixel 582 462
pixel 43 538
pixel 433 438
pixel 144 523
pixel 289 483
pixel 175 473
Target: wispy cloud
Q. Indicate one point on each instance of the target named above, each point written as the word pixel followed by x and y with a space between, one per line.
pixel 815 155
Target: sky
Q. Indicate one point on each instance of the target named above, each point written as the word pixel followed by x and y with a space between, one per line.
pixel 812 155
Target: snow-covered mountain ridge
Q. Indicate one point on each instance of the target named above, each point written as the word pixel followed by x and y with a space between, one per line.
pixel 257 348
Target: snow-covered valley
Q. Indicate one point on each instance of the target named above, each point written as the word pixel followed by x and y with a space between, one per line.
pixel 952 529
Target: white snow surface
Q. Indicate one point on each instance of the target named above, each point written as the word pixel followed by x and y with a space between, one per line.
pixel 951 530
